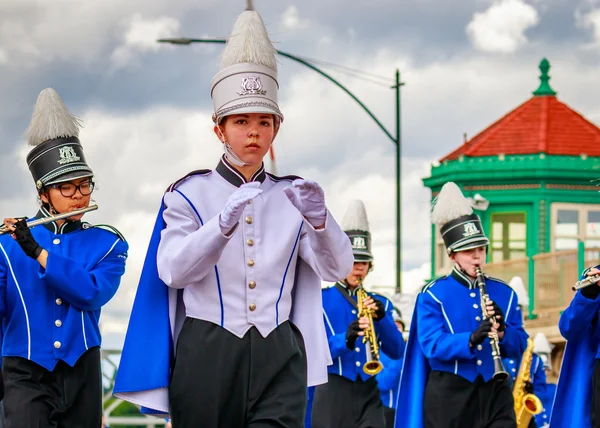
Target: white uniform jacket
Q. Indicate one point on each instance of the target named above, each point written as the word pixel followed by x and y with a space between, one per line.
pixel 266 272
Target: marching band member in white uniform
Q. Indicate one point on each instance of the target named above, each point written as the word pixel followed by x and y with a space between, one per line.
pixel 245 251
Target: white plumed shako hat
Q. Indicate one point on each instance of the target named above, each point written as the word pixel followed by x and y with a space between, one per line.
pixel 247 77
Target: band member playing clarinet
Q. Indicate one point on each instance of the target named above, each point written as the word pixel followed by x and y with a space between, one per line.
pixel 351 397
pixel 452 376
pixel 245 251
pixel 54 280
pixel 577 400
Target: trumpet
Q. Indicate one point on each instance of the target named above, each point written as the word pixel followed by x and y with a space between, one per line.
pixel 586 282
pixel 373 365
pixel 499 371
pixel 51 219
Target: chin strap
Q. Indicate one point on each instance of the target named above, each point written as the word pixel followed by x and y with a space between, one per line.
pixel 232 157
pixel 229 153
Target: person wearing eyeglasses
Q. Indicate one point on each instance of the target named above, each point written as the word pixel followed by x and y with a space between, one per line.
pixel 54 280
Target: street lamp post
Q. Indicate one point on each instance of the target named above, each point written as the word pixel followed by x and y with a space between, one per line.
pixel 395 139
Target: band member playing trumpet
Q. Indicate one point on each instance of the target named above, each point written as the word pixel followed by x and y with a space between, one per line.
pixel 351 397
pixel 452 376
pixel 246 251
pixel 577 401
pixel 54 280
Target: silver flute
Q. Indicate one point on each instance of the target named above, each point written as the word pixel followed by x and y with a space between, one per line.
pixel 586 282
pixel 4 230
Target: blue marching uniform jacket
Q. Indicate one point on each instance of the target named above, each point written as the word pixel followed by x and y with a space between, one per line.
pixel 338 314
pixel 388 380
pixel 538 381
pixel 446 313
pixel 52 314
pixel 580 325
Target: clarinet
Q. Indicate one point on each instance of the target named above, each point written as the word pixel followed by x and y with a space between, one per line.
pixel 499 371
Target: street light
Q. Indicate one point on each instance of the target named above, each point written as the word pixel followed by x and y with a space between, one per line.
pixel 396 140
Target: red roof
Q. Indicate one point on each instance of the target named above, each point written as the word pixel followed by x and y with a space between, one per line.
pixel 540 125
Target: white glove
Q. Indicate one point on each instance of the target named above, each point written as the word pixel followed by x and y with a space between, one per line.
pixel 234 208
pixel 308 198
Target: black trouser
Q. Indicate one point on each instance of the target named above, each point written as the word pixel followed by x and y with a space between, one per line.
pixel 596 396
pixel 66 397
pixel 342 403
pixel 390 416
pixel 222 381
pixel 453 402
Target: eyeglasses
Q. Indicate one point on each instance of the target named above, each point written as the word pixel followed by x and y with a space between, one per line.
pixel 69 189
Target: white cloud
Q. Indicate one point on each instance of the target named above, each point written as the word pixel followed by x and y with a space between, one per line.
pixel 590 20
pixel 34 32
pixel 141 35
pixel 502 27
pixel 291 19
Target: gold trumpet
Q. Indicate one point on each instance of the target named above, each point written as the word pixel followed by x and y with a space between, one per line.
pixel 51 219
pixel 373 365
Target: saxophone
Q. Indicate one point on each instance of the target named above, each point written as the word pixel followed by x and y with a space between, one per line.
pixel 526 404
pixel 373 365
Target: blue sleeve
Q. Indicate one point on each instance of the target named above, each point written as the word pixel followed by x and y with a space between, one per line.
pixel 389 378
pixel 548 399
pixel 538 377
pixel 435 335
pixel 86 289
pixel 514 342
pixel 576 321
pixel 392 342
pixel 3 276
pixel 337 341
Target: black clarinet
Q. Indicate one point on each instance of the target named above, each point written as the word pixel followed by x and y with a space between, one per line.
pixel 499 371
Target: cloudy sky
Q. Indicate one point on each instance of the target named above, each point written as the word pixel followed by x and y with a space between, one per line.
pixel 146 106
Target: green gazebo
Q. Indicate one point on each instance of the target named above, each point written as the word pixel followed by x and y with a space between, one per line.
pixel 531 179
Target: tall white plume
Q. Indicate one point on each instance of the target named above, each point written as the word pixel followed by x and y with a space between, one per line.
pixel 450 204
pixel 51 119
pixel 541 345
pixel 356 217
pixel 516 283
pixel 249 42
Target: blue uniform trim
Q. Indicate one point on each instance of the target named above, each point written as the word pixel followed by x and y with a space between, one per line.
pixel 216 269
pixel 448 321
pixel 285 274
pixel 12 272
pixel 443 311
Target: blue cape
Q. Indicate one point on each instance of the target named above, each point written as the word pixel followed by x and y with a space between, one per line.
pixel 413 380
pixel 573 399
pixel 148 350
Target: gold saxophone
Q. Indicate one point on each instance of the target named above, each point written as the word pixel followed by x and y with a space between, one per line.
pixel 526 404
pixel 373 365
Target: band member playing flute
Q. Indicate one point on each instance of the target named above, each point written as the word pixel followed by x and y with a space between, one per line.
pixel 54 280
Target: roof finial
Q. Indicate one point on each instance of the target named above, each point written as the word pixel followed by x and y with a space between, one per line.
pixel 544 88
pixel 249 5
